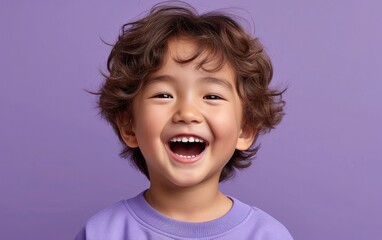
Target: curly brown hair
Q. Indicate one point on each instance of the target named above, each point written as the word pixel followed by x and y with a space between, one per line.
pixel 139 52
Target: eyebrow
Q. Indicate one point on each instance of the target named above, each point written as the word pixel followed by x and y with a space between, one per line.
pixel 155 79
pixel 209 80
pixel 151 80
pixel 220 81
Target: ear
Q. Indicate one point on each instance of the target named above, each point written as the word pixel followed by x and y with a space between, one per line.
pixel 246 138
pixel 127 134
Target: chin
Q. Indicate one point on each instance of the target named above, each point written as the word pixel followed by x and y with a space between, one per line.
pixel 190 180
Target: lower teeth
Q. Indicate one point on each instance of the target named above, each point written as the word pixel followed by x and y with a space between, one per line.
pixel 179 155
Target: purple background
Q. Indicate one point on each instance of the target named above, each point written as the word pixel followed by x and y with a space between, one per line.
pixel 319 172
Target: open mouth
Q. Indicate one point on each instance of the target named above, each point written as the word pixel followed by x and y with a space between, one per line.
pixel 187 147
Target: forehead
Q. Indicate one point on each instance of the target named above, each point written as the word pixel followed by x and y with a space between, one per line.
pixel 181 48
pixel 185 50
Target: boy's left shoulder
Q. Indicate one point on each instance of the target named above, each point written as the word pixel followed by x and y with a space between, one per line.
pixel 263 226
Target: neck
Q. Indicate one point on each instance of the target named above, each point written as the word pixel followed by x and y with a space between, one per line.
pixel 190 204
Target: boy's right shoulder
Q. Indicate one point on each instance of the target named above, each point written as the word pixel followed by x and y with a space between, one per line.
pixel 110 214
pixel 109 223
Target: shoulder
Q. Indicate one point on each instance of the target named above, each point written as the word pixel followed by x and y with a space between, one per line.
pixel 116 222
pixel 267 226
pixel 113 213
pixel 261 225
pixel 106 224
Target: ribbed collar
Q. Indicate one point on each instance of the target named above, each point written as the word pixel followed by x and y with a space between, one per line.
pixel 151 218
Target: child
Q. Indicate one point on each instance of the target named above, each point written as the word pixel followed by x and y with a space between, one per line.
pixel 187 95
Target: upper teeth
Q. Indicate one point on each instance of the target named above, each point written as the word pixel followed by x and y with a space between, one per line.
pixel 186 139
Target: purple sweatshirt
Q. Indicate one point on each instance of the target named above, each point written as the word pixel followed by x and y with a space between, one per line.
pixel 136 219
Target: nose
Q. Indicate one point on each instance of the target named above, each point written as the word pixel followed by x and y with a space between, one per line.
pixel 188 112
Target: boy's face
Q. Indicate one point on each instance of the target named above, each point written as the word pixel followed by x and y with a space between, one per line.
pixel 187 122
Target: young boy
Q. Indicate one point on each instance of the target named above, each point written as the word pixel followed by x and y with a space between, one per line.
pixel 187 95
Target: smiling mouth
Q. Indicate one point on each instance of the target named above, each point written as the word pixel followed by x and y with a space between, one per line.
pixel 187 147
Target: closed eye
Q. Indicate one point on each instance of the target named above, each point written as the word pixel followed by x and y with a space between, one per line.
pixel 162 95
pixel 213 97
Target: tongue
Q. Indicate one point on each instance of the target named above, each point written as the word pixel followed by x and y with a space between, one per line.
pixel 187 149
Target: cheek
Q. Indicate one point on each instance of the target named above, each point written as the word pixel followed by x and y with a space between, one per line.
pixel 148 126
pixel 229 117
pixel 226 124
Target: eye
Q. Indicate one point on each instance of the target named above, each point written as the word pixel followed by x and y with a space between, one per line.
pixel 162 95
pixel 213 97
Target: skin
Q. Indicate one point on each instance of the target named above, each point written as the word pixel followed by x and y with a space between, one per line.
pixel 183 100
